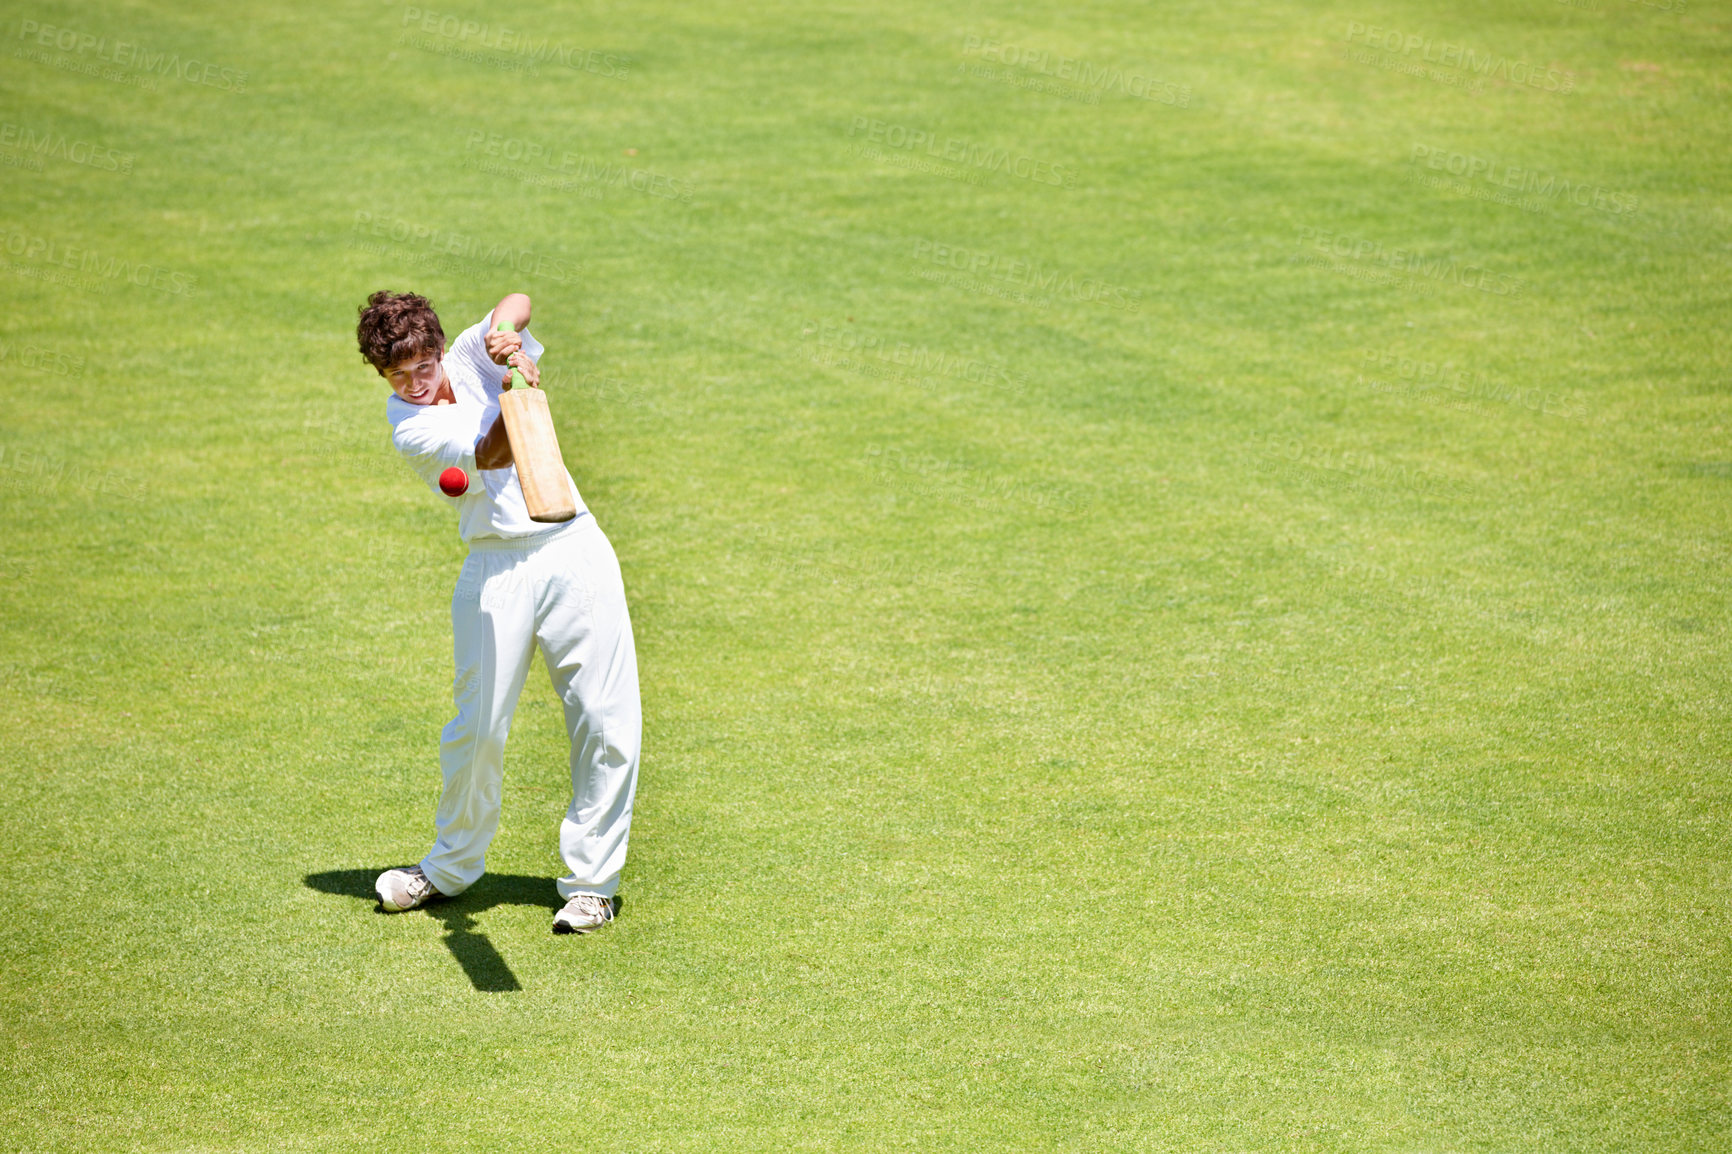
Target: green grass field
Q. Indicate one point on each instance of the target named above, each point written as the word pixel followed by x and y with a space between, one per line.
pixel 1179 558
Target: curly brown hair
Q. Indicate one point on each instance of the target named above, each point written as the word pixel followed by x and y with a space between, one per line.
pixel 396 326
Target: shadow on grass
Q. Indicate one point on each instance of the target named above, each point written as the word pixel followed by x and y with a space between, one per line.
pixel 486 970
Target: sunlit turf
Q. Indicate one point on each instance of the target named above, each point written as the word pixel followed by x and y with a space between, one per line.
pixel 1168 622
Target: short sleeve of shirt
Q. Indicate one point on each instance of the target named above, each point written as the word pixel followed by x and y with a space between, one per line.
pixel 433 438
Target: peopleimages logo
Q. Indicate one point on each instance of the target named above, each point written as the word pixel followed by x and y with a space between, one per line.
pixel 1086 76
pixel 1026 274
pixel 28 469
pixel 849 348
pixel 50 253
pixel 958 482
pixel 1450 55
pixel 515 42
pixel 53 147
pixel 1519 180
pixel 1438 268
pixel 572 166
pixel 125 54
pixel 457 247
pixel 958 151
pixel 56 362
pixel 1464 387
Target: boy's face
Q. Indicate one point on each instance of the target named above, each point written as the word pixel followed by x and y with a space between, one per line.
pixel 417 379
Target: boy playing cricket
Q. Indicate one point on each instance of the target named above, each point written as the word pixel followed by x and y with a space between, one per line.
pixel 524 585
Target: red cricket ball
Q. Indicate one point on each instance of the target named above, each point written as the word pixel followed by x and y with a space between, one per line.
pixel 454 482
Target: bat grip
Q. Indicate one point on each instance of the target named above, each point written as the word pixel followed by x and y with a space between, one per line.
pixel 517 379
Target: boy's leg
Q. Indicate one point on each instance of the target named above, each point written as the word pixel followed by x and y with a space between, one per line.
pixel 586 638
pixel 493 634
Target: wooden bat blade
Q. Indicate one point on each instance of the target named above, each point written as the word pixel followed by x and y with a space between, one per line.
pixel 535 448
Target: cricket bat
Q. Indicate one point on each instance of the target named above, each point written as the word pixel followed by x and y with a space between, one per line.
pixel 535 449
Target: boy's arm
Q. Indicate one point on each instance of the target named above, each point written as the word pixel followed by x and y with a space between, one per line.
pixel 493 450
pixel 513 310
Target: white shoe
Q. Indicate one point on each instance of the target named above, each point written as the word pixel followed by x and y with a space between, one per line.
pixel 582 914
pixel 404 889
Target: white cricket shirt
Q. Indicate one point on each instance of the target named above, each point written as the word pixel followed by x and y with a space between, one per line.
pixel 432 438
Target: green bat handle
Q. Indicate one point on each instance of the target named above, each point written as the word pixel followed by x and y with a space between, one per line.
pixel 517 378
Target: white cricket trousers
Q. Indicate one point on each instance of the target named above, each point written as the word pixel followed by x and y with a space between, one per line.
pixel 563 593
